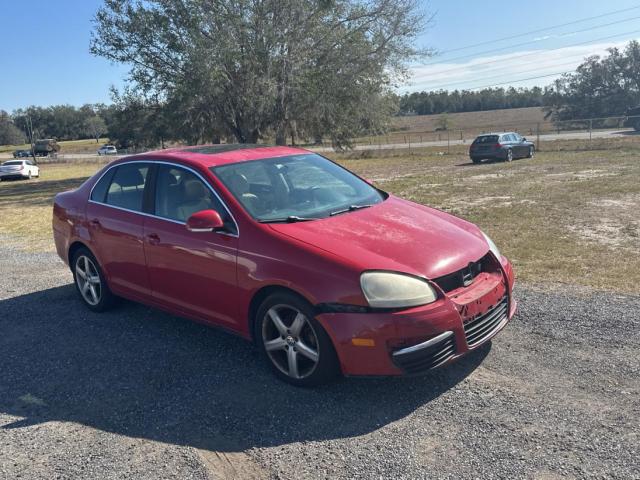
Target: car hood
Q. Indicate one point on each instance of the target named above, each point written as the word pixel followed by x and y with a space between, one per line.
pixel 395 235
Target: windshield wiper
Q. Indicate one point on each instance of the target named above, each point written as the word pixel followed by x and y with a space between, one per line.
pixel 289 219
pixel 350 208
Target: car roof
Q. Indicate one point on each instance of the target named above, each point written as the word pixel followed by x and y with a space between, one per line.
pixel 495 133
pixel 221 154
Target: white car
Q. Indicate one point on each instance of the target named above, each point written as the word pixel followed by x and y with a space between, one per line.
pixel 19 169
pixel 107 150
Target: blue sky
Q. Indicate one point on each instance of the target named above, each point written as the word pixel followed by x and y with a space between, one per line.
pixel 45 57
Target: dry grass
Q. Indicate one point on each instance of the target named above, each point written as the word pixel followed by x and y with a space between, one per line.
pixel 25 206
pixel 500 119
pixel 70 146
pixel 421 128
pixel 564 217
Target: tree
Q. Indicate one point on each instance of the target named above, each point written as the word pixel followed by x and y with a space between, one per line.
pixel 95 126
pixel 9 133
pixel 254 68
pixel 600 87
pixel 443 122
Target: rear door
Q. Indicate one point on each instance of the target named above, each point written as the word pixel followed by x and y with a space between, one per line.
pixel 115 216
pixel 192 272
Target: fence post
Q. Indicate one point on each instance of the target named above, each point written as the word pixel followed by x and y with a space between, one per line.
pixel 448 142
pixel 538 136
pixel 409 144
pixel 590 130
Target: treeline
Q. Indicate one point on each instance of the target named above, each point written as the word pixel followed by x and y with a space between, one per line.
pixel 63 122
pixel 443 101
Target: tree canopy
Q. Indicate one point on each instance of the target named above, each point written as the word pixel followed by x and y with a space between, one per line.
pixel 600 87
pixel 256 68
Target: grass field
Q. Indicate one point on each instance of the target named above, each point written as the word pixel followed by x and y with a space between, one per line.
pixel 421 128
pixel 564 217
pixel 70 146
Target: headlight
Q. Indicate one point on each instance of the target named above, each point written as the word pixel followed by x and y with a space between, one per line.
pixel 492 246
pixel 395 290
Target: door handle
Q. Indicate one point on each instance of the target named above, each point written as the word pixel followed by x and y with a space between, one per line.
pixel 153 239
pixel 95 222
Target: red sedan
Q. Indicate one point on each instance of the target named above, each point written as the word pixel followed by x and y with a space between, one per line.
pixel 326 273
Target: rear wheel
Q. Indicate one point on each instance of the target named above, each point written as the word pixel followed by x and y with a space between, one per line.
pixel 476 160
pixel 296 346
pixel 509 157
pixel 90 282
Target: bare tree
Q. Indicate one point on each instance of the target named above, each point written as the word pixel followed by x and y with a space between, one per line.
pixel 96 127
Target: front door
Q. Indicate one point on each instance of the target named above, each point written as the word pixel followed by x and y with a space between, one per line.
pixel 194 273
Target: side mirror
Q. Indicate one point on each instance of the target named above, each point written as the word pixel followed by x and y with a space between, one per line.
pixel 205 221
pixel 524 139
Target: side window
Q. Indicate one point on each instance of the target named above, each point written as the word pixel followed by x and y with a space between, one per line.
pixel 100 189
pixel 180 194
pixel 127 186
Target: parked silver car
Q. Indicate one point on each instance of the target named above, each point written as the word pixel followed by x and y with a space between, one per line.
pixel 108 150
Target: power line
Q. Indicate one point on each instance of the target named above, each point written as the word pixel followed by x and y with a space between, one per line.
pixel 438 87
pixel 540 30
pixel 531 41
pixel 526 63
pixel 520 80
pixel 536 52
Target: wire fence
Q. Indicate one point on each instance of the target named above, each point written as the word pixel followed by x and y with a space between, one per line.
pixel 587 130
pixel 582 133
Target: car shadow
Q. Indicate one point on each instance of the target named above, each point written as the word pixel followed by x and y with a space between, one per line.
pixel 143 373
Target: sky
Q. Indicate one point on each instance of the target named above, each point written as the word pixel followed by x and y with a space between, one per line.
pixel 45 59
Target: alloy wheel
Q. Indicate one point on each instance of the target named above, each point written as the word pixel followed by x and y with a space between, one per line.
pixel 88 280
pixel 509 155
pixel 290 341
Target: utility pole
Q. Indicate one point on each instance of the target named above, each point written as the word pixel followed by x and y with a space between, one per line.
pixel 30 132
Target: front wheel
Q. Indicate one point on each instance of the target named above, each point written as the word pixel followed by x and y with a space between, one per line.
pixel 532 152
pixel 90 281
pixel 296 346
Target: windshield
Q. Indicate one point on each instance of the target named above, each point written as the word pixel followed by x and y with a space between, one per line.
pixel 297 187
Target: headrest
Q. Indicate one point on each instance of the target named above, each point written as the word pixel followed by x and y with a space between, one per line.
pixel 128 177
pixel 194 189
pixel 238 184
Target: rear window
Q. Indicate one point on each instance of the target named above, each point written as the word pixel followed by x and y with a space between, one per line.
pixel 13 162
pixel 486 139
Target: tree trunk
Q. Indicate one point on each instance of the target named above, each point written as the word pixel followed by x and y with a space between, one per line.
pixel 281 136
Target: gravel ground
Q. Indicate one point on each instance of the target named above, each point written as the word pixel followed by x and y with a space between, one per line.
pixel 137 393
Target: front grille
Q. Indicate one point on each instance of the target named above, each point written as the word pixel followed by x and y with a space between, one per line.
pixel 425 359
pixel 456 279
pixel 484 325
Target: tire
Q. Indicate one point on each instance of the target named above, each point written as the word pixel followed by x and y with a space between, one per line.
pixel 476 160
pixel 97 296
pixel 532 152
pixel 509 157
pixel 293 342
pixel 29 177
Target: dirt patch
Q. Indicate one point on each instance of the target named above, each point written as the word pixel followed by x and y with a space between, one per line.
pixel 613 222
